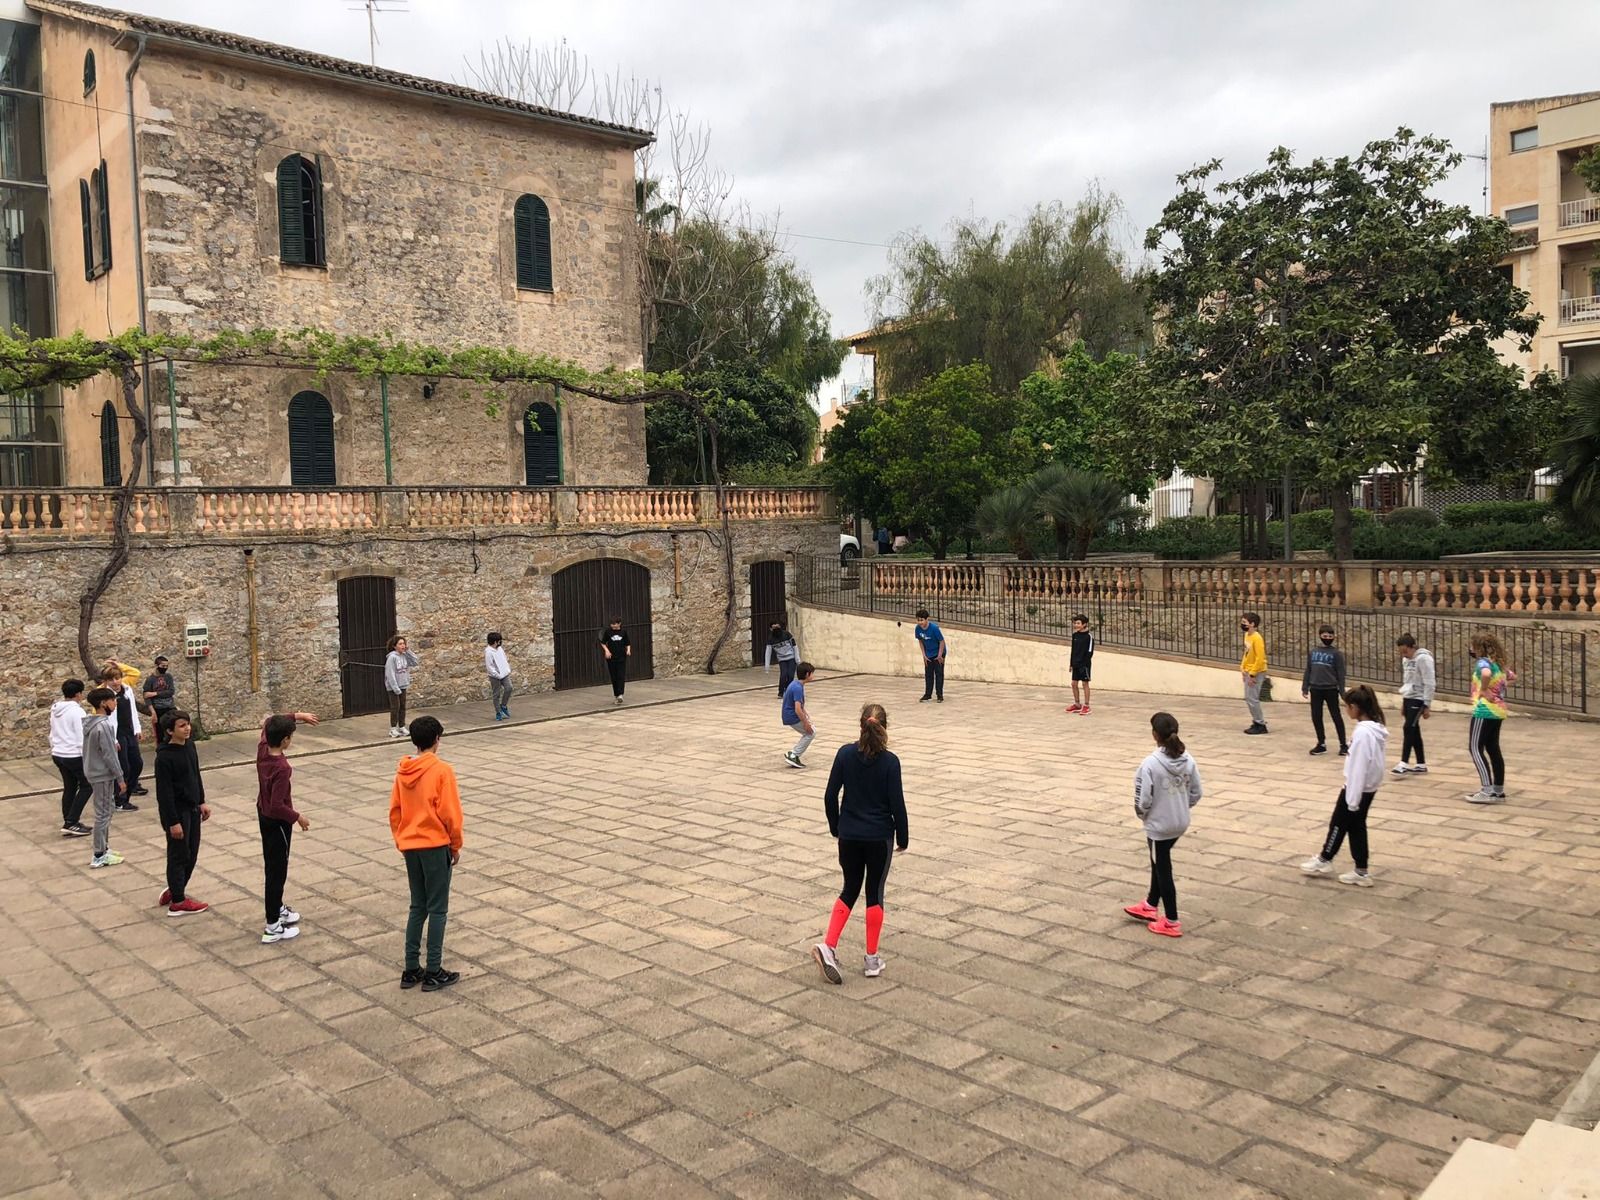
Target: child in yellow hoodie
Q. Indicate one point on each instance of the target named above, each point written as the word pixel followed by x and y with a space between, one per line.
pixel 1253 669
pixel 425 815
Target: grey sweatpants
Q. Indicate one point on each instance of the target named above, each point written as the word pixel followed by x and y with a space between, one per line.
pixel 105 798
pixel 501 690
pixel 805 741
pixel 1252 699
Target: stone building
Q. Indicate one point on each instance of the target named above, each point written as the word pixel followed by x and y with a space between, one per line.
pixel 208 181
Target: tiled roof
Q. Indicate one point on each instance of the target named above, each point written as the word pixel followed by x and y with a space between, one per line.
pixel 308 60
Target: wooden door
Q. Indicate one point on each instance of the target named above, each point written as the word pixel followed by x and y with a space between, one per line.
pixel 767 604
pixel 366 622
pixel 584 598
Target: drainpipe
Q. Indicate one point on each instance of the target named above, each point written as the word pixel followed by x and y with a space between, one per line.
pixel 172 415
pixel 138 250
pixel 561 436
pixel 388 446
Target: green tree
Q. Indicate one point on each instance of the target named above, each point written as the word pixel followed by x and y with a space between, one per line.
pixel 1316 315
pixel 1073 416
pixel 762 421
pixel 1492 426
pixel 1081 505
pixel 1011 515
pixel 1004 297
pixel 1577 455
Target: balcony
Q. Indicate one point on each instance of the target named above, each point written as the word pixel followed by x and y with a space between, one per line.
pixel 290 512
pixel 1577 310
pixel 1583 211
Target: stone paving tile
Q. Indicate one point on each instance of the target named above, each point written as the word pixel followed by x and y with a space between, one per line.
pixel 637 1015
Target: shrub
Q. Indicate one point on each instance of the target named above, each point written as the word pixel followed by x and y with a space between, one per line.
pixel 1385 542
pixel 1411 518
pixel 1388 542
pixel 1496 512
pixel 1190 537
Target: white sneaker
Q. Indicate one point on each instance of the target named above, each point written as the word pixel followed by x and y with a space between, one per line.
pixel 1401 769
pixel 1420 769
pixel 1486 798
pixel 405 731
pixel 1358 878
pixel 394 731
pixel 288 916
pixel 827 962
pixel 874 965
pixel 279 932
pixel 1317 866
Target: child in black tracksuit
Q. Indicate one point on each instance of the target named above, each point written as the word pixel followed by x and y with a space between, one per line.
pixel 1082 663
pixel 1323 685
pixel 618 649
pixel 181 799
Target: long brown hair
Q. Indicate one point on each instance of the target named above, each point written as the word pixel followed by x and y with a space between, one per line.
pixel 1165 727
pixel 1485 644
pixel 394 640
pixel 874 731
pixel 1365 701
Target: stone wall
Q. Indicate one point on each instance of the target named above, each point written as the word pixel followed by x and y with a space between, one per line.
pixel 449 590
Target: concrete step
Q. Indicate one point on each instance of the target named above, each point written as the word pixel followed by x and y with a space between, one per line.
pixel 1552 1162
pixel 1478 1171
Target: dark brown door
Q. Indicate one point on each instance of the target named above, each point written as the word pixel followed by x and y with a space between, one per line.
pixel 766 605
pixel 585 596
pixel 366 622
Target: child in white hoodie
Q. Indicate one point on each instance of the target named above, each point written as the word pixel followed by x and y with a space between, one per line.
pixel 1165 787
pixel 1363 772
pixel 66 751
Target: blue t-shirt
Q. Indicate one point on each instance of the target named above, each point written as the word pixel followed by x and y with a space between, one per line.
pixel 931 638
pixel 794 694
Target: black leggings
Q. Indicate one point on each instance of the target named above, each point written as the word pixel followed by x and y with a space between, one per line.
pixel 617 667
pixel 1349 821
pixel 868 859
pixel 1163 888
pixel 276 837
pixel 1411 737
pixel 1483 743
pixel 1329 697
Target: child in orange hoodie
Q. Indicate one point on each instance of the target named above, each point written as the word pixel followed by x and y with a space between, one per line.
pixel 425 815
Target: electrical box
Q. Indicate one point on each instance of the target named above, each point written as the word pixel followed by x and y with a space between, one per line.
pixel 196 641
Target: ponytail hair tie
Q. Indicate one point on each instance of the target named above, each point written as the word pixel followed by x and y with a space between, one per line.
pixel 869 720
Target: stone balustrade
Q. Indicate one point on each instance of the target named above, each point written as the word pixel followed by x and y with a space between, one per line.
pixel 89 513
pixel 1502 587
pixel 1319 584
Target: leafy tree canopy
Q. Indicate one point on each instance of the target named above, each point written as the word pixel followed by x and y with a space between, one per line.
pixel 1072 416
pixel 1006 297
pixel 761 419
pixel 1320 315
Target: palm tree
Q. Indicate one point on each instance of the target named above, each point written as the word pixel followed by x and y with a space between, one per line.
pixel 1081 505
pixel 1011 515
pixel 1577 455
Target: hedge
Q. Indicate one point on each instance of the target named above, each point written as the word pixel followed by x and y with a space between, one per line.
pixel 1496 512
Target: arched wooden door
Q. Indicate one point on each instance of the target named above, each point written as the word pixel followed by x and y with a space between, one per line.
pixel 767 604
pixel 585 596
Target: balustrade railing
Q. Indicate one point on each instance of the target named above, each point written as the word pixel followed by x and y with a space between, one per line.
pixel 1505 587
pixel 1584 211
pixel 90 512
pixel 1256 583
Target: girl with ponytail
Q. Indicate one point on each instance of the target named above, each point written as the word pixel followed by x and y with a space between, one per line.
pixel 868 823
pixel 1165 787
pixel 1363 772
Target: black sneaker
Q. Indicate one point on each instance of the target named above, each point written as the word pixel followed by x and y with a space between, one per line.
pixel 127 806
pixel 76 830
pixel 432 981
pixel 1319 748
pixel 139 790
pixel 410 977
pixel 1344 751
pixel 1256 729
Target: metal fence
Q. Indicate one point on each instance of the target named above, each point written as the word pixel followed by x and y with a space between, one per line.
pixel 1551 663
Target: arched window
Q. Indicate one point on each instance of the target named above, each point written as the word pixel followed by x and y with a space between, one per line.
pixel 541 445
pixel 110 447
pixel 311 441
pixel 96 223
pixel 88 72
pixel 531 218
pixel 301 241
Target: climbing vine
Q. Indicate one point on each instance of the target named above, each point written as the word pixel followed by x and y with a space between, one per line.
pixel 27 363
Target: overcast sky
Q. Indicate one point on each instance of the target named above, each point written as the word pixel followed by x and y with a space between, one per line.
pixel 857 122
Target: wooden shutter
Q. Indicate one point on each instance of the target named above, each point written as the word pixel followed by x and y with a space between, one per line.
pixel 103 204
pixel 291 212
pixel 531 221
pixel 543 276
pixel 541 454
pixel 311 458
pixel 316 241
pixel 88 229
pixel 522 224
pixel 110 447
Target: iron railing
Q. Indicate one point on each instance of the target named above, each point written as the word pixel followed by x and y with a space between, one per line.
pixel 1551 663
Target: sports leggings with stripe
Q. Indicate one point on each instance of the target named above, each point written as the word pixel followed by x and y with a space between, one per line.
pixel 1483 743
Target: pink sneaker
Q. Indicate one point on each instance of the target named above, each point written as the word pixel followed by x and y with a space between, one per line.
pixel 1075 708
pixel 1143 911
pixel 1167 928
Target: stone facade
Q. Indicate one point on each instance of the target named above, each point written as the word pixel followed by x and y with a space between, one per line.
pixel 450 588
pixel 418 192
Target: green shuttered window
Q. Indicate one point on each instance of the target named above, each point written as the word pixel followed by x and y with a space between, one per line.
pixel 311 461
pixel 301 240
pixel 531 218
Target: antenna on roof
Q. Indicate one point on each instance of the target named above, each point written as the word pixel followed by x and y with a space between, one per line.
pixel 372 8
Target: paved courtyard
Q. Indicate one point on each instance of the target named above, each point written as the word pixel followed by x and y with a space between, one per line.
pixel 637 1016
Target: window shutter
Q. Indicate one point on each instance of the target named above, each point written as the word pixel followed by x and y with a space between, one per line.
pixel 316 240
pixel 522 223
pixel 103 203
pixel 311 459
pixel 291 212
pixel 543 276
pixel 110 448
pixel 541 455
pixel 88 230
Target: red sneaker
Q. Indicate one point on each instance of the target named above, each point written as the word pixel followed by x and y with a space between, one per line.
pixel 1084 711
pixel 1145 912
pixel 184 908
pixel 1167 928
pixel 1075 708
pixel 166 898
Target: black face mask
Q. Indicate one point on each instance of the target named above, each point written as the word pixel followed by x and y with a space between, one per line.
pixel 1327 641
pixel 162 670
pixel 1244 627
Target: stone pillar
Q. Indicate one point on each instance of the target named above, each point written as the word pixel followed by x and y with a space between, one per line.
pixel 1358 589
pixel 565 509
pixel 705 506
pixel 184 510
pixel 1153 581
pixel 393 512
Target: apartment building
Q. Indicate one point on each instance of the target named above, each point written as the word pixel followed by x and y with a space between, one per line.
pixel 1534 146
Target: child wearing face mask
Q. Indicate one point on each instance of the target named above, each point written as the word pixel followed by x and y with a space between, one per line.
pixel 1253 670
pixel 161 693
pixel 1323 685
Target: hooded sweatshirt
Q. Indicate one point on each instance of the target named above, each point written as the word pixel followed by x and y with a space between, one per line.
pixel 1164 790
pixel 494 661
pixel 66 729
pixel 425 806
pixel 397 670
pixel 874 808
pixel 179 787
pixel 1324 668
pixel 273 775
pixel 1363 769
pixel 100 761
pixel 1418 680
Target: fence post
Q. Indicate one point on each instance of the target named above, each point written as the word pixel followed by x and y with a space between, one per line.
pixel 1583 672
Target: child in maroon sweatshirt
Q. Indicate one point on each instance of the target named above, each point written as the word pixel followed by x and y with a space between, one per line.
pixel 276 812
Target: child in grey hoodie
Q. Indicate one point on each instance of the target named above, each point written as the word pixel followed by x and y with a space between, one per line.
pixel 1165 787
pixel 103 768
